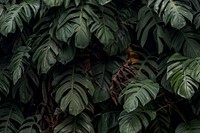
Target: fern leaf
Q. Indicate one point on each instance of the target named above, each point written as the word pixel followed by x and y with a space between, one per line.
pixel 134 121
pixel 138 92
pixel 81 123
pixel 19 60
pixel 10 117
pixel 71 86
pixel 172 11
pixel 16 15
pixel 191 127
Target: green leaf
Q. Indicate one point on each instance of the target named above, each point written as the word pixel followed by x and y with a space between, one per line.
pixel 196 20
pixel 147 20
pixel 74 23
pixel 138 92
pixel 71 86
pixel 191 127
pixel 66 54
pixel 103 2
pixel 174 12
pixel 19 60
pixel 45 56
pixel 178 73
pixel 102 76
pixel 65 32
pixel 5 83
pixel 122 42
pixel 81 123
pixel 53 2
pixel 83 35
pixel 146 67
pixel 134 121
pixel 10 117
pixel 195 69
pixel 108 121
pixel 106 27
pixel 188 39
pixel 161 123
pixel 24 88
pixel 16 15
pixel 30 125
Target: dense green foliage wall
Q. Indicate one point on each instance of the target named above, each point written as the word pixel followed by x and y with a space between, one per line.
pixel 104 66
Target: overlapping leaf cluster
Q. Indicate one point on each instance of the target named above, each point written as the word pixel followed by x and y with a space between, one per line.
pixel 99 66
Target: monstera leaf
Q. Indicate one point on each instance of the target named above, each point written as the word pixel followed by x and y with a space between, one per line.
pixel 196 19
pixel 103 2
pixel 81 123
pixel 10 117
pixel 66 53
pixel 146 66
pixel 161 123
pixel 106 27
pixel 16 15
pixel 74 21
pixel 127 18
pixel 45 55
pixel 54 2
pixel 102 76
pixel 134 121
pixel 188 39
pixel 19 60
pixel 24 88
pixel 5 83
pixel 138 92
pixel 72 88
pixel 191 127
pixel 30 125
pixel 172 11
pixel 178 73
pixel 108 121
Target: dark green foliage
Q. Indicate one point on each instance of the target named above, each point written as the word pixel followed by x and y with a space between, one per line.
pixel 86 66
